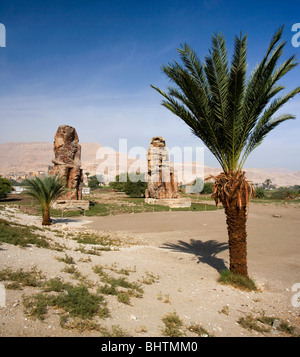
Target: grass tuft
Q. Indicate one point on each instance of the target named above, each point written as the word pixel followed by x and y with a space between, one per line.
pixel 120 286
pixel 21 278
pixel 173 325
pixel 21 235
pixel 266 324
pixel 199 330
pixel 76 301
pixel 238 281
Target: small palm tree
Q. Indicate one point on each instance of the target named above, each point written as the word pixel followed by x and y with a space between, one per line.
pixel 231 115
pixel 45 191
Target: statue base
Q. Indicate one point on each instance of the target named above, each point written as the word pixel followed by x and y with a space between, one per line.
pixel 171 202
pixel 71 205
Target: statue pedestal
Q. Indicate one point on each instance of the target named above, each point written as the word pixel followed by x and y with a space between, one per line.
pixel 171 202
pixel 71 205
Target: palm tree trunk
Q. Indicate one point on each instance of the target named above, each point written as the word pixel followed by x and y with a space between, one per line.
pixel 46 217
pixel 234 192
pixel 236 224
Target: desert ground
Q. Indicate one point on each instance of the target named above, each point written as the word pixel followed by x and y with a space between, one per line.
pixel 175 256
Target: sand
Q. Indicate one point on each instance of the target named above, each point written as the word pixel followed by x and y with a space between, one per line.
pixel 184 251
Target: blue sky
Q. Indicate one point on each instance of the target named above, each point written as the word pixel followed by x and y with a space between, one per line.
pixel 90 64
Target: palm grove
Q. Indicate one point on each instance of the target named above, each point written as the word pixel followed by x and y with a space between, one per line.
pixel 231 115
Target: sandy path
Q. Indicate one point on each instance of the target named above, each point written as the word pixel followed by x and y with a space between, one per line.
pixel 273 242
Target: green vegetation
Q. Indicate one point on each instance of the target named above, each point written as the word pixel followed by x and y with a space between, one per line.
pixel 45 191
pixel 6 186
pixel 23 236
pixel 78 306
pixel 105 241
pixel 54 284
pixel 199 330
pixel 282 194
pixel 20 278
pixel 122 271
pixel 67 259
pixel 118 286
pixel 131 205
pixel 207 188
pixel 260 192
pixel 93 182
pixel 149 278
pixel 173 325
pixel 75 301
pixel 236 280
pixel 285 193
pixel 116 331
pixel 92 251
pixel 89 325
pixel 264 324
pixel 130 184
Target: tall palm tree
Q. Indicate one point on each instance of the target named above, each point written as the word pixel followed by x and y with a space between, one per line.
pixel 45 191
pixel 231 115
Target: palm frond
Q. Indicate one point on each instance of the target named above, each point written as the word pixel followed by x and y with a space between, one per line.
pixel 236 94
pixel 45 190
pixel 229 114
pixel 260 133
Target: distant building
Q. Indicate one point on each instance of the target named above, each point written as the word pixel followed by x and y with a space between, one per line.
pixel 18 189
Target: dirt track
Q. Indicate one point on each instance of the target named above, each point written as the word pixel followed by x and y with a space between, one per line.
pixel 273 242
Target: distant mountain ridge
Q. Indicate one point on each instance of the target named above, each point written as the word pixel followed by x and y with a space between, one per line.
pixel 16 158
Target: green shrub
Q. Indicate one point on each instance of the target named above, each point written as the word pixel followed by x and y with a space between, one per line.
pixel 260 192
pixel 207 188
pixel 76 301
pixel 284 193
pixel 6 187
pixel 131 188
pixel 173 325
pixel 93 183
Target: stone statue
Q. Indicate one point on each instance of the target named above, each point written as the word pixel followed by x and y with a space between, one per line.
pixel 67 161
pixel 162 183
